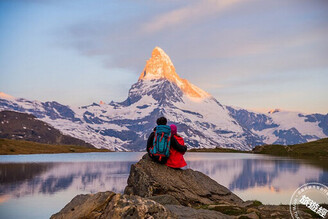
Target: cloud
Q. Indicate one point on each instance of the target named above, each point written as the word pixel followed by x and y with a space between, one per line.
pixel 215 44
pixel 196 31
pixel 186 15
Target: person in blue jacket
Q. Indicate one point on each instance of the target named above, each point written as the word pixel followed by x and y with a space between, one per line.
pixel 173 142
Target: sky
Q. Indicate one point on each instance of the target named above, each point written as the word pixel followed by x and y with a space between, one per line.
pixel 253 54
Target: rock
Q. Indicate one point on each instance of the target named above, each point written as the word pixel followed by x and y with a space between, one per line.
pixel 250 203
pixel 276 211
pixel 253 210
pixel 252 215
pixel 110 205
pixel 191 213
pixel 131 206
pixel 188 187
pixel 227 209
pixel 165 199
pixel 85 206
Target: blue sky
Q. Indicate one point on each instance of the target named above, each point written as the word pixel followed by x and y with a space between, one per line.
pixel 249 53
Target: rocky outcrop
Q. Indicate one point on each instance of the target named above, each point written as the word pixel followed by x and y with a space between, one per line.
pixel 111 205
pixel 179 211
pixel 157 191
pixel 83 206
pixel 188 187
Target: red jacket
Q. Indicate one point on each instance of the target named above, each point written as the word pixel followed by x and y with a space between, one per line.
pixel 176 159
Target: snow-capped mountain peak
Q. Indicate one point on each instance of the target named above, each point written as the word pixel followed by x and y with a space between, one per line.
pixel 6 96
pixel 160 66
pixel 201 119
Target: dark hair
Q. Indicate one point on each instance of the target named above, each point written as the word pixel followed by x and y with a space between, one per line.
pixel 161 121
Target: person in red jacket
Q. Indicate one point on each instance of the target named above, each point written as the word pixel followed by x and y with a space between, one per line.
pixel 176 159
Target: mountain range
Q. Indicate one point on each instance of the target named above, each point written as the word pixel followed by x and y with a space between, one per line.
pixel 23 126
pixel 201 119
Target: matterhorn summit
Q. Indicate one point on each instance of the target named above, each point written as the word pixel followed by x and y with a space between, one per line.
pixel 201 120
pixel 160 66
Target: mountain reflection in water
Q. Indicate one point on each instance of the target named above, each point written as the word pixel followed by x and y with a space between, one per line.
pixel 29 178
pixel 249 173
pixel 239 172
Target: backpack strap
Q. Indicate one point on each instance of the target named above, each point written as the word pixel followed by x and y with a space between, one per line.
pixel 155 139
pixel 161 137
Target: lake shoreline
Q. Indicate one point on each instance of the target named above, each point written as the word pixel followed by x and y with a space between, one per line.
pixel 19 147
pixel 310 150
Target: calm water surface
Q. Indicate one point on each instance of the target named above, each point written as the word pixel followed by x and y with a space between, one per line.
pixel 37 186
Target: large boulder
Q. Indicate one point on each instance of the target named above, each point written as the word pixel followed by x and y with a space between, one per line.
pixel 104 205
pixel 110 205
pixel 188 187
pixel 83 206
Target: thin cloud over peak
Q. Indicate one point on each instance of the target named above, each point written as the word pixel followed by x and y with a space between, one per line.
pixel 186 15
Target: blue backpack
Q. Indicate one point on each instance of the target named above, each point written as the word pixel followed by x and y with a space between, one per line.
pixel 160 151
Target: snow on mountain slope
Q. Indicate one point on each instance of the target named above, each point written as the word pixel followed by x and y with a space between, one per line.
pixel 150 99
pixel 289 120
pixel 283 127
pixel 64 119
pixel 200 118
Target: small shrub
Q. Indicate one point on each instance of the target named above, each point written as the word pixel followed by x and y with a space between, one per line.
pixel 256 203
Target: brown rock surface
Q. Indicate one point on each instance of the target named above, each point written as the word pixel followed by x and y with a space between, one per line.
pixel 188 187
pixel 111 205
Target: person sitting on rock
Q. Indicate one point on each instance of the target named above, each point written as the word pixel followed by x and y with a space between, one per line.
pixel 176 159
pixel 160 140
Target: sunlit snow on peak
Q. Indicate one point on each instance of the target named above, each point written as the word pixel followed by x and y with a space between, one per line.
pixel 160 66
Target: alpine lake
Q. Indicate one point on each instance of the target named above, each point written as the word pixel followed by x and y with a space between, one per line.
pixel 37 186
